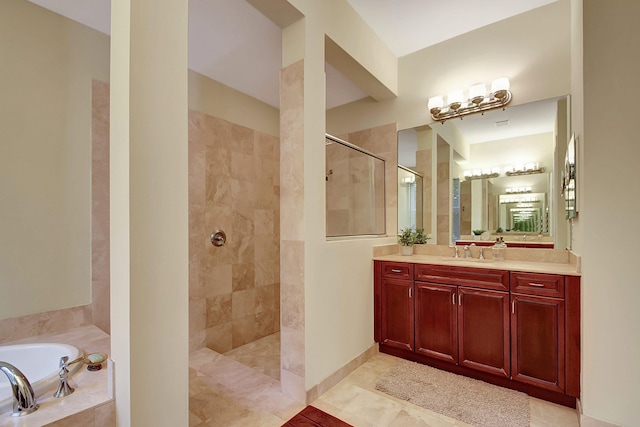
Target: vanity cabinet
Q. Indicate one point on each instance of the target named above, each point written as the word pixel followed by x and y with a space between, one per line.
pixel 538 330
pixel 515 329
pixel 466 325
pixel 396 307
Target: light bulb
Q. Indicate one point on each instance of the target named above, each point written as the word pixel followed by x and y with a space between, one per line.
pixel 500 86
pixel 435 104
pixel 455 99
pixel 477 92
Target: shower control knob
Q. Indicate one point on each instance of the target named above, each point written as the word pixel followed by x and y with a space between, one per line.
pixel 218 238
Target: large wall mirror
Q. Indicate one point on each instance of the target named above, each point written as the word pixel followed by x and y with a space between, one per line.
pixel 494 174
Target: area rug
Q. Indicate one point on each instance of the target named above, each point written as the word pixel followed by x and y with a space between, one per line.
pixel 466 399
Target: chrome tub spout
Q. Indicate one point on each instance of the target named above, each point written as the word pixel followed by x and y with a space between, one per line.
pixel 24 399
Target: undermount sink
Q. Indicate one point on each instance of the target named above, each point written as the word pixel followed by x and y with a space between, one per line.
pixel 467 260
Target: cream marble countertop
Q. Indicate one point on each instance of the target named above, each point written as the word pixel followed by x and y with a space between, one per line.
pixel 516 259
pixel 90 387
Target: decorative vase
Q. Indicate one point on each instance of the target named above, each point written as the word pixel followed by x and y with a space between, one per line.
pixel 406 250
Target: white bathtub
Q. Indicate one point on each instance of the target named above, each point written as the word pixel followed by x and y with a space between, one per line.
pixel 40 363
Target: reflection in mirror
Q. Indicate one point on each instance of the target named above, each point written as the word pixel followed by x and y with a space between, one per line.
pixel 409 199
pixel 506 164
pixel 569 180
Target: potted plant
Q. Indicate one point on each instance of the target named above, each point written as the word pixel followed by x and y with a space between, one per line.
pixel 420 238
pixel 406 239
pixel 476 234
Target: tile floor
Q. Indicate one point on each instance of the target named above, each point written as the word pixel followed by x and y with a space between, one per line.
pixel 227 393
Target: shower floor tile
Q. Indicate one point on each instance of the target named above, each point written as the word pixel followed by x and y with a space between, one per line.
pixel 263 355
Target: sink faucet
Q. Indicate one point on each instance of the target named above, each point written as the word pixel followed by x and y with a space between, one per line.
pixel 467 251
pixel 24 399
pixel 455 254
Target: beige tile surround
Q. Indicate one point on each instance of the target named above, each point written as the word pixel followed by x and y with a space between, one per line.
pixel 233 186
pixel 90 404
pixel 292 231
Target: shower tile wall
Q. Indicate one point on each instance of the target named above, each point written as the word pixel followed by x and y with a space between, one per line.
pixel 100 274
pixel 234 186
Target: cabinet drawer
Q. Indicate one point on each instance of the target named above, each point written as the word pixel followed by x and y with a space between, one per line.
pixel 549 285
pixel 473 277
pixel 399 270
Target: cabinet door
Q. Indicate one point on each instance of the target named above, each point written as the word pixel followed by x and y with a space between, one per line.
pixel 537 339
pixel 396 317
pixel 436 321
pixel 483 328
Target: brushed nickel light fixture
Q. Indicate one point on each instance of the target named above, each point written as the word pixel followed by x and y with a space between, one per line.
pixel 477 102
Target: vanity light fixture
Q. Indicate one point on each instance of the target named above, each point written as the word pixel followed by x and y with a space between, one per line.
pixel 518 199
pixel 518 190
pixel 477 102
pixel 524 169
pixel 482 173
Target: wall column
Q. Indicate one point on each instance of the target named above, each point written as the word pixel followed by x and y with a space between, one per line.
pixel 149 212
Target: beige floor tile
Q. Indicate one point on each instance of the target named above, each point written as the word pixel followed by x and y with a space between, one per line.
pixel 416 418
pixel 226 392
pixel 546 414
pixel 373 408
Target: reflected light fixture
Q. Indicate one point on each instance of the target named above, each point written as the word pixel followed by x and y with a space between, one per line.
pixel 477 102
pixel 524 169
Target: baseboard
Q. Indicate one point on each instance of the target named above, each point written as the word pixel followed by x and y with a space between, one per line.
pixel 586 421
pixel 317 390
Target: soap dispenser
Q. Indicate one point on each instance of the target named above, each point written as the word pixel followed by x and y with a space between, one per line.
pixel 499 249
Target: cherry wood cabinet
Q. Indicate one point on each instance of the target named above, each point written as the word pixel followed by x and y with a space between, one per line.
pixel 436 319
pixel 397 326
pixel 538 330
pixel 483 318
pixel 394 306
pixel 515 329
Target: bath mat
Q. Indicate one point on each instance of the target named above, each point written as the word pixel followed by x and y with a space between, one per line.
pixel 466 399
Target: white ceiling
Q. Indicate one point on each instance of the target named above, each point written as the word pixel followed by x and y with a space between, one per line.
pixel 233 43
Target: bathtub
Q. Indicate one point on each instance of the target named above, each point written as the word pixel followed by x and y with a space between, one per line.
pixel 40 363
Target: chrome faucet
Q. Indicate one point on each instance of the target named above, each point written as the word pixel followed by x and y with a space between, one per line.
pixel 481 256
pixel 455 254
pixel 24 399
pixel 64 389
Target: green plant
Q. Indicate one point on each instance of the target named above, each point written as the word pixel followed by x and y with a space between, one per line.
pixel 499 230
pixel 420 237
pixel 406 237
pixel 478 232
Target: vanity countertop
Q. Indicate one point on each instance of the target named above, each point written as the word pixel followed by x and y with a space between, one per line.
pixel 511 265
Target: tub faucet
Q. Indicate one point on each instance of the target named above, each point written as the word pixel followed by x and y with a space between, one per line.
pixel 64 389
pixel 24 399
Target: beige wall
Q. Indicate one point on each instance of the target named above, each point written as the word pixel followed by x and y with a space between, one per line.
pixel 604 232
pixel 149 225
pixel 45 158
pixel 315 273
pixel 217 100
pixel 536 60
